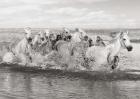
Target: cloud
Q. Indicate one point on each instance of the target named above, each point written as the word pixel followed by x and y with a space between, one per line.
pixel 91 1
pixel 44 13
pixel 38 2
pixel 59 1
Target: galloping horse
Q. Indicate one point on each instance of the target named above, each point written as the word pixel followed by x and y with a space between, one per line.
pixel 66 35
pixel 47 32
pixel 73 51
pixel 109 54
pixel 80 36
pixel 24 47
pixel 22 50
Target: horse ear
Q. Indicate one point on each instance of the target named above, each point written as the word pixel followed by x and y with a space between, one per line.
pixel 121 34
pixel 66 30
pixel 27 30
pixel 127 32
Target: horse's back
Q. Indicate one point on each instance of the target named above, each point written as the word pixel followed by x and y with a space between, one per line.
pixel 95 51
pixel 22 47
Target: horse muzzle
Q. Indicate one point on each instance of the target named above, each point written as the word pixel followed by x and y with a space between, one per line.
pixel 29 39
pixel 129 48
pixel 42 39
pixel 86 38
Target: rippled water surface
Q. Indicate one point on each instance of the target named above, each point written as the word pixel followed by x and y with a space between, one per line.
pixel 26 85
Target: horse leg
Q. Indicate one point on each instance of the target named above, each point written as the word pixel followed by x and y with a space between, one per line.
pixel 72 51
pixel 30 58
pixel 86 61
pixel 112 61
pixel 115 62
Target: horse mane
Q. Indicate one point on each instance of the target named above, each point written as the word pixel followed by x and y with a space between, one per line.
pixel 115 38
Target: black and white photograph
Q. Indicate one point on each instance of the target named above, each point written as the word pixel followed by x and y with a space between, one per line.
pixel 69 49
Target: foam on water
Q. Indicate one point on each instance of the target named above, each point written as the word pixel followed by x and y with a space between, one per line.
pixel 130 60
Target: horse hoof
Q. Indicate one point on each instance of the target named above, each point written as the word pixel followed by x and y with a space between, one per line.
pixel 114 66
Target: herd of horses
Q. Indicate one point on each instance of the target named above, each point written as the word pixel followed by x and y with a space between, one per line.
pixel 68 45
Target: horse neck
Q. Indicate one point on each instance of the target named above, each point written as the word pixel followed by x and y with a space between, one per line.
pixel 21 46
pixel 75 37
pixel 115 47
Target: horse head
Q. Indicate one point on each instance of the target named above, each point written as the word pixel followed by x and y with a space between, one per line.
pixel 79 35
pixel 67 31
pixel 90 42
pixel 47 32
pixel 52 37
pixel 58 37
pixel 125 41
pixel 42 36
pixel 82 33
pixel 98 38
pixel 28 34
pixel 99 41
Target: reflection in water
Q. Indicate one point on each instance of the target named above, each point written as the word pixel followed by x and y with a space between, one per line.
pixel 15 85
pixel 38 86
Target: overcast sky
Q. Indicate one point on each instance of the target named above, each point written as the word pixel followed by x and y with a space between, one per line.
pixel 77 13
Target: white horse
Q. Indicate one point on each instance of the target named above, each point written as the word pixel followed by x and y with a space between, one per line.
pixel 79 35
pixel 41 43
pixel 22 50
pixel 108 54
pixel 65 31
pixel 47 32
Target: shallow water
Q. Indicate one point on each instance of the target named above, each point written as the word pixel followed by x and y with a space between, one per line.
pixel 17 85
pixel 27 85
